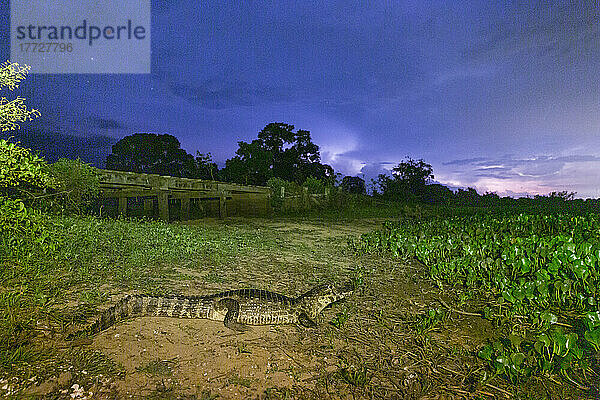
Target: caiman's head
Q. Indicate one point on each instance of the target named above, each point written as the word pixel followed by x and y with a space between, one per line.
pixel 320 297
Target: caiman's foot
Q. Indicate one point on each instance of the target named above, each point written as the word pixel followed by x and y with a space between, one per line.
pixel 233 312
pixel 236 326
pixel 305 321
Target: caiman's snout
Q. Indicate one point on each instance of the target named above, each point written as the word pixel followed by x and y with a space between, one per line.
pixel 322 296
pixel 342 291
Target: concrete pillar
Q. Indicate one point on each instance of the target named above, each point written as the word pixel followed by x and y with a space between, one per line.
pixel 185 208
pixel 123 206
pixel 163 205
pixel 222 205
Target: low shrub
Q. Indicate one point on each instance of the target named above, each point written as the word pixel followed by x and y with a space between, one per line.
pixel 21 172
pixel 77 187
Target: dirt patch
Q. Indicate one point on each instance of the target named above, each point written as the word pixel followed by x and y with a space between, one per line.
pixel 205 356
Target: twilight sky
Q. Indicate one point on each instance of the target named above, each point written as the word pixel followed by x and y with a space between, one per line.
pixel 494 95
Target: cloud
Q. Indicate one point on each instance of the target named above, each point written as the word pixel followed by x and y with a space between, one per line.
pixel 494 176
pixel 537 166
pixel 533 175
pixel 103 123
pixel 553 31
pixel 466 161
pixel 216 94
pixel 373 169
pixel 53 145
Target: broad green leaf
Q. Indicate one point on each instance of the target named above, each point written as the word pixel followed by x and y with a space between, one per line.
pixel 571 340
pixel 519 293
pixel 515 340
pixel 593 336
pixel 508 296
pixel 525 265
pixel 592 319
pixel 548 317
pixel 559 341
pixel 503 360
pixel 486 352
pixel 517 358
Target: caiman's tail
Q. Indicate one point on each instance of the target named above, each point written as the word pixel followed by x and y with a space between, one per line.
pixel 138 305
pixel 120 311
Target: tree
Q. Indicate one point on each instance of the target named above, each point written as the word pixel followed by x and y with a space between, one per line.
pixel 564 195
pixel 468 197
pixel 15 111
pixel 407 182
pixel 391 188
pixel 252 165
pixel 23 231
pixel 150 153
pixel 490 199
pixel 206 168
pixel 415 174
pixel 277 152
pixel 354 185
pixel 436 194
pixel 20 171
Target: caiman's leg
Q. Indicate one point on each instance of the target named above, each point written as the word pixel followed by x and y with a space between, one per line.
pixel 305 321
pixel 231 318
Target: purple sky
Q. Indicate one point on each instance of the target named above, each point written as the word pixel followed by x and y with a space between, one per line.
pixel 494 95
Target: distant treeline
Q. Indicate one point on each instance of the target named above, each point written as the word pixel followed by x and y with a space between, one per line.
pixel 281 153
pixel 278 152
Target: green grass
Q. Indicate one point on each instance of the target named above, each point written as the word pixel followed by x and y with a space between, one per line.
pixel 141 255
pixel 354 207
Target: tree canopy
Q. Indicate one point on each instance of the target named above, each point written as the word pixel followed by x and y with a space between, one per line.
pixel 206 168
pixel 21 171
pixel 413 173
pixel 354 185
pixel 408 181
pixel 158 154
pixel 278 152
pixel 15 111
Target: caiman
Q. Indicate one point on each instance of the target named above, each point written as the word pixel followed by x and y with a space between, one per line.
pixel 236 308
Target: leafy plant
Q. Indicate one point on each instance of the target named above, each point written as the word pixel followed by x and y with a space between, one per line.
pixel 23 231
pixel 355 376
pixel 314 185
pixel 21 171
pixel 545 269
pixel 428 321
pixel 15 111
pixel 340 319
pixel 77 186
pixel 280 188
